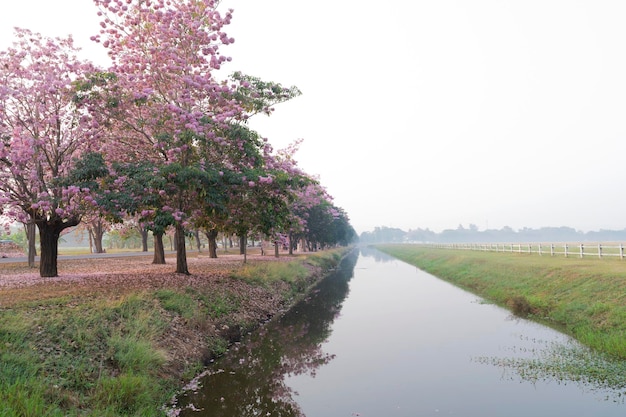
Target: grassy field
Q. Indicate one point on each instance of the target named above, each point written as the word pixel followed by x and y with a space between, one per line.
pixel 585 298
pixel 122 341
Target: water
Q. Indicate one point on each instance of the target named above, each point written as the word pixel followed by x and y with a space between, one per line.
pixel 382 338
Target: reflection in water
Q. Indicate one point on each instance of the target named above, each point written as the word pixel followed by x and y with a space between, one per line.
pixel 378 256
pixel 250 379
pixel 406 344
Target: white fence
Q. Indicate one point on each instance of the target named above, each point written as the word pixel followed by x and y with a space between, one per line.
pixel 581 250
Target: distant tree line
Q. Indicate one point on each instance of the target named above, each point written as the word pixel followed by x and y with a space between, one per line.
pixel 506 234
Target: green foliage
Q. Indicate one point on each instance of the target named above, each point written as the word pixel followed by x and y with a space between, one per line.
pixel 27 399
pixel 217 345
pixel 519 306
pixel 87 170
pixel 327 259
pixel 176 302
pixel 61 355
pixel 16 367
pixel 17 236
pixel 135 355
pixel 220 306
pixel 568 362
pixel 92 85
pixel 126 395
pixel 270 272
pixel 294 273
pixel 258 96
pixel 250 153
pixel 198 307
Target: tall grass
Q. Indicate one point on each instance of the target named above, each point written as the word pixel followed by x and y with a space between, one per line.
pixel 296 273
pixel 83 358
pixel 585 298
pixel 101 355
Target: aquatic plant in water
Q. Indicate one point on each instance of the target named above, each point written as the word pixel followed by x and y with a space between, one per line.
pixel 568 362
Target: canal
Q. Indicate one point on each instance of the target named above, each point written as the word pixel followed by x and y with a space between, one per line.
pixel 382 338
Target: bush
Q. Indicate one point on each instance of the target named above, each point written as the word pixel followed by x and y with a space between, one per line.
pixel 520 306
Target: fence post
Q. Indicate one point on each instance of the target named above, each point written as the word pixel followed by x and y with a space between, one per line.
pixel 582 250
pixel 529 249
pixel 621 251
pixel 539 249
pixel 600 250
pixel 551 249
pixel 566 250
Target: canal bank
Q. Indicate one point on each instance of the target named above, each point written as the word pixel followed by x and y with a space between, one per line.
pixel 118 338
pixel 585 298
pixel 380 337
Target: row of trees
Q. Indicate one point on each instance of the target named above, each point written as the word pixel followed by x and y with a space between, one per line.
pixel 156 139
pixel 504 235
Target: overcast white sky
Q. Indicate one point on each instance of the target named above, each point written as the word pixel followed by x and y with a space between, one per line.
pixel 432 113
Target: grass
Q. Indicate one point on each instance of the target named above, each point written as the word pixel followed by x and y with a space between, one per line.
pixel 68 351
pixel 296 273
pixel 585 298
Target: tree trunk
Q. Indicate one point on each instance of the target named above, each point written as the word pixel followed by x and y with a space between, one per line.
pixel 90 234
pixel 144 238
pixel 290 243
pixel 159 250
pixel 181 253
pixel 31 232
pixel 97 230
pixel 242 244
pixel 49 232
pixel 49 239
pixel 211 235
pixel 276 243
pixel 197 236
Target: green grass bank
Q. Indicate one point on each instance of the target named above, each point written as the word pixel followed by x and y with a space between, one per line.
pixel 125 350
pixel 585 298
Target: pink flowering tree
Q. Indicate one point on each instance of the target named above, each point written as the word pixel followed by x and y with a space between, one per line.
pixel 327 225
pixel 261 204
pixel 163 98
pixel 317 222
pixel 303 190
pixel 42 133
pixel 164 104
pixel 305 199
pixel 313 218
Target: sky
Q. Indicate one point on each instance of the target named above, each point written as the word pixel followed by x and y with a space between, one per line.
pixel 431 113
